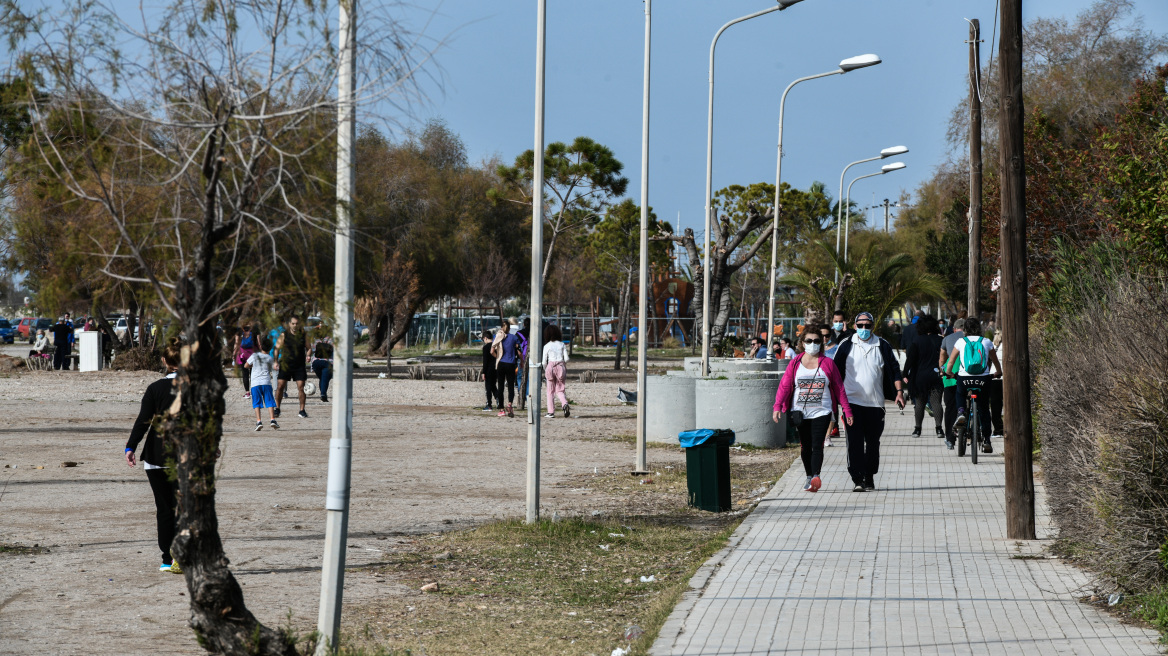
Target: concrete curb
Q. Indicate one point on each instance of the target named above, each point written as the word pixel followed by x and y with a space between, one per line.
pixel 674 624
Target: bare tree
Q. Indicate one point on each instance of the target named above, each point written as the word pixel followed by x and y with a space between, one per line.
pixel 723 247
pixel 489 280
pixel 197 134
pixel 390 305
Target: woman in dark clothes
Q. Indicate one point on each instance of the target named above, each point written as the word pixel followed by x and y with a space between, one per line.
pixel 158 397
pixel 489 374
pixel 920 373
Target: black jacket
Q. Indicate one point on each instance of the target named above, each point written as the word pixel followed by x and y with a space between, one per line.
pixel 158 397
pixel 908 336
pixel 919 363
pixel 891 365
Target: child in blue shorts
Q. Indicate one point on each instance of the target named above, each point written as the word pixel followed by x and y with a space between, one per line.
pixel 260 364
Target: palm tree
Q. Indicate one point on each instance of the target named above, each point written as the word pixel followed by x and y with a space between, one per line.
pixel 871 283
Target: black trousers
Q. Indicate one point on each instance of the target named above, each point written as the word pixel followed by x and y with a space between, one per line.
pixel 864 442
pixel 996 406
pixel 492 388
pixel 505 375
pixel 245 376
pixel 61 357
pixel 983 402
pixel 165 502
pixel 950 395
pixel 933 398
pixel 811 435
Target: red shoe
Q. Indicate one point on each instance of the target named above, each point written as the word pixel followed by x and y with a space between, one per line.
pixel 815 484
pixel 834 432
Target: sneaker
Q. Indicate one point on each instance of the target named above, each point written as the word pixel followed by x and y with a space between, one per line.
pixel 487 408
pixel 567 411
pixel 940 433
pixel 502 413
pixel 859 488
pixel 827 442
pixel 510 411
pixel 869 483
pixel 247 395
pixel 550 415
pixel 996 436
pixel 834 432
pixel 960 423
pixel 173 568
pixel 259 426
pixel 986 447
pixel 816 483
pixel 323 399
pixel 302 414
pixel 276 412
pixel 916 432
pixel 807 485
pixel 929 409
pixel 275 426
pixel 949 445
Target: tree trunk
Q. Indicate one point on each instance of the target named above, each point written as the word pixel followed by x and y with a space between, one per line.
pixel 622 322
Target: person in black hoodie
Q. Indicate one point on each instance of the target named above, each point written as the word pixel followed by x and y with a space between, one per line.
pixel 921 375
pixel 488 374
pixel 158 397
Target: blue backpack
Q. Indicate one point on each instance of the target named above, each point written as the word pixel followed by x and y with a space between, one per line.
pixel 974 357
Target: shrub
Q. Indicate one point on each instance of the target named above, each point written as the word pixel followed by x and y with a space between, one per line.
pixel 1103 385
pixel 670 343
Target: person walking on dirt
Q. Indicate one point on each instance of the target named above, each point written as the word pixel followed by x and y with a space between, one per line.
pixel 870 371
pixel 521 364
pixel 241 350
pixel 158 397
pixel 811 387
pixel 293 363
pixel 489 374
pixel 62 332
pixel 322 362
pixel 260 365
pixel 555 362
pixel 506 351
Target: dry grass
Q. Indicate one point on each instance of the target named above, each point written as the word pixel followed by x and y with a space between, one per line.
pixel 571 586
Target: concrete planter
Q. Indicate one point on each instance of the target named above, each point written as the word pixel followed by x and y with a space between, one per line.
pixel 742 405
pixel 733 365
pixel 671 407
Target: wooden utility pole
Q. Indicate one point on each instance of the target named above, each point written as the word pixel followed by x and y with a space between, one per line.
pixel 974 286
pixel 1019 448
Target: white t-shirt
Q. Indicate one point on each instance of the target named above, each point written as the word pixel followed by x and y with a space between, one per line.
pixel 789 353
pixel 986 344
pixel 864 377
pixel 554 351
pixel 812 395
pixel 261 368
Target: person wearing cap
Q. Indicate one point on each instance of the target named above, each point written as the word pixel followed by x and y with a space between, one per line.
pixel 871 374
pixel 949 391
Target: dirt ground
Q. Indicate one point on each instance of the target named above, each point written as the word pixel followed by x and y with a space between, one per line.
pixel 425 459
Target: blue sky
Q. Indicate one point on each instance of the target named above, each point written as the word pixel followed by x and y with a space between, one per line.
pixel 594 85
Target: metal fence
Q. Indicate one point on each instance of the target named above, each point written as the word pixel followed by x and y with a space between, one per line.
pixel 430 329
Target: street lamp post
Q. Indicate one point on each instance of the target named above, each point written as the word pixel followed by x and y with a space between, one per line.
pixel 850 64
pixel 535 330
pixel 887 168
pixel 643 288
pixel 887 152
pixel 782 4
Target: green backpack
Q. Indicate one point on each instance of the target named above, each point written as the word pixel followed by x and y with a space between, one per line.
pixel 974 356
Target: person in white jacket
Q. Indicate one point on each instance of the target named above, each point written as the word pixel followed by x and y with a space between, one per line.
pixel 555 359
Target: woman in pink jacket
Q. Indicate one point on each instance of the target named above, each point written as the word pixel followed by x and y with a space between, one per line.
pixel 813 386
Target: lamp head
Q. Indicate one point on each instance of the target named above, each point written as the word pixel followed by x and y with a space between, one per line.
pixel 895 150
pixel 889 168
pixel 862 61
pixel 783 4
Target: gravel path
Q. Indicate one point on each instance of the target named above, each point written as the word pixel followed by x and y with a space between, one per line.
pixel 425 459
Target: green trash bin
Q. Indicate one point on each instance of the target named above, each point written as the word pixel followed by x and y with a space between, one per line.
pixel 707 467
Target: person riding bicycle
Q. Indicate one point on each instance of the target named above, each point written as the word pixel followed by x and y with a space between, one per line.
pixel 975 358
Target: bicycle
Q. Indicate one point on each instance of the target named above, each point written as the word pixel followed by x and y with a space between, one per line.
pixel 972 425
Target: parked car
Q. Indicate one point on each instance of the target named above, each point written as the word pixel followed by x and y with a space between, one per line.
pixel 120 327
pixel 7 332
pixel 26 328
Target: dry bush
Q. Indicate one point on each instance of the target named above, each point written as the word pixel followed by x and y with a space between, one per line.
pixel 1102 420
pixel 137 359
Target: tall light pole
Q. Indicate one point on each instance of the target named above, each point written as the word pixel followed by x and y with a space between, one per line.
pixel 782 4
pixel 535 330
pixel 336 528
pixel 887 168
pixel 887 152
pixel 643 288
pixel 850 64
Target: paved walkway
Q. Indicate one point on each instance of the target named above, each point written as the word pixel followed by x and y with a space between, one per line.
pixel 920 566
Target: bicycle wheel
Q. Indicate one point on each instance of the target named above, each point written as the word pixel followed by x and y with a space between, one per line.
pixel 959 435
pixel 973 429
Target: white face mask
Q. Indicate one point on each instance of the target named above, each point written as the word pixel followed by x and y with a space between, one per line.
pixel 812 348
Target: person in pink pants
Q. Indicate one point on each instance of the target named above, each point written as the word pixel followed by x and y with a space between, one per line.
pixel 555 360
